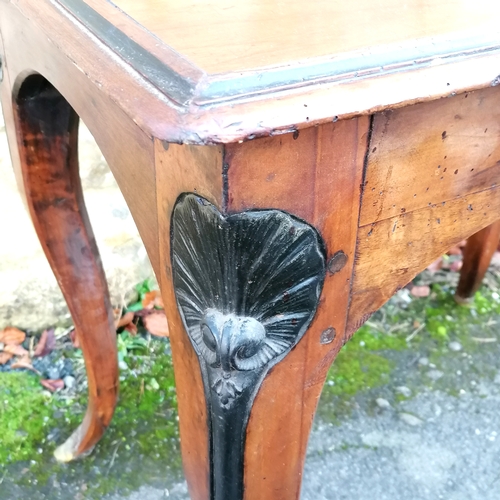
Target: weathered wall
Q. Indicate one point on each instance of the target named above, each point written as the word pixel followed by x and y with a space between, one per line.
pixel 29 295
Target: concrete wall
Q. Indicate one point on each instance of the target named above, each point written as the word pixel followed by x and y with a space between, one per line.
pixel 29 295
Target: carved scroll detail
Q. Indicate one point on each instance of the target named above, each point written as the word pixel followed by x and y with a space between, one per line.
pixel 247 287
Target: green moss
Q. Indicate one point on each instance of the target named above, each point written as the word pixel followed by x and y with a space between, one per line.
pixel 21 399
pixel 359 366
pixel 141 445
pixel 365 362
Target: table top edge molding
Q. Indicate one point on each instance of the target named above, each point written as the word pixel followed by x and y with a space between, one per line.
pixel 168 75
pixel 233 107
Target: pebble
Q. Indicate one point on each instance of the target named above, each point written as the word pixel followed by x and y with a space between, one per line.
pixel 423 361
pixel 383 403
pixel 53 373
pixel 410 419
pixel 455 346
pixel 404 391
pixel 435 374
pixel 69 381
pixel 54 435
pixel 54 368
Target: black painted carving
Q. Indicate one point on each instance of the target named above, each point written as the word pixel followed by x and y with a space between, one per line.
pixel 247 287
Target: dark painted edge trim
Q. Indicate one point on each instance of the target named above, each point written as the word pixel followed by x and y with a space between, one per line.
pixel 219 89
pixel 381 60
pixel 171 83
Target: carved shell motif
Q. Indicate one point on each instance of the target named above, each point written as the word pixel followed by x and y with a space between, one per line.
pixel 247 285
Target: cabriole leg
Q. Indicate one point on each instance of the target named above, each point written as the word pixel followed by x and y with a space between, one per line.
pixel 47 130
pixel 256 282
pixel 478 252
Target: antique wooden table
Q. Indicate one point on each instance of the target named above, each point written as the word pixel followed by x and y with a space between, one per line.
pixel 289 165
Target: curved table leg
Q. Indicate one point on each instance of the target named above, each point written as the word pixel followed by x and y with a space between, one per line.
pixel 240 287
pixel 478 251
pixel 47 130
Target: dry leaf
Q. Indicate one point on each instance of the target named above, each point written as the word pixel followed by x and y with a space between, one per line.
pixel 152 299
pixel 156 324
pixel 456 250
pixel 15 350
pixel 24 362
pixel 46 344
pixel 53 385
pixel 456 266
pixel 421 291
pixel 127 318
pixel 132 329
pixel 4 357
pixel 495 260
pixel 11 335
pixel 159 302
pixel 74 339
pixel 148 302
pixel 436 265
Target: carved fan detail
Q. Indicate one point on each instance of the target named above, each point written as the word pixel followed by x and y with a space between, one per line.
pixel 247 284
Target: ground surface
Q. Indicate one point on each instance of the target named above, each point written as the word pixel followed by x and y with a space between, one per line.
pixel 410 411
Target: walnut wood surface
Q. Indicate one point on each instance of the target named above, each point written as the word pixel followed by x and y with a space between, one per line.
pixel 393 251
pixel 127 149
pixel 315 175
pixel 291 97
pixel 478 251
pixel 221 36
pixel 47 128
pixel 432 179
pixel 421 153
pixel 199 170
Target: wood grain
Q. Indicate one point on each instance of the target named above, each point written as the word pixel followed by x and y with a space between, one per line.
pixel 48 137
pixel 393 251
pixel 432 152
pixel 223 35
pixel 82 57
pixel 315 175
pixel 127 149
pixel 477 253
pixel 192 169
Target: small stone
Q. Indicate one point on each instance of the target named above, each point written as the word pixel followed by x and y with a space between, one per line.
pixel 434 374
pixel 383 403
pixel 455 346
pixel 404 391
pixel 122 365
pixel 67 368
pixel 54 435
pixel 410 419
pixel 53 373
pixel 423 361
pixel 69 381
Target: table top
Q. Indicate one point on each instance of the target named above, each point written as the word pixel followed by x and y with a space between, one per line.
pixel 223 36
pixel 337 59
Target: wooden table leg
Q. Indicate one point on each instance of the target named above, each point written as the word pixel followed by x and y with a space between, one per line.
pixel 262 238
pixel 47 131
pixel 478 252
